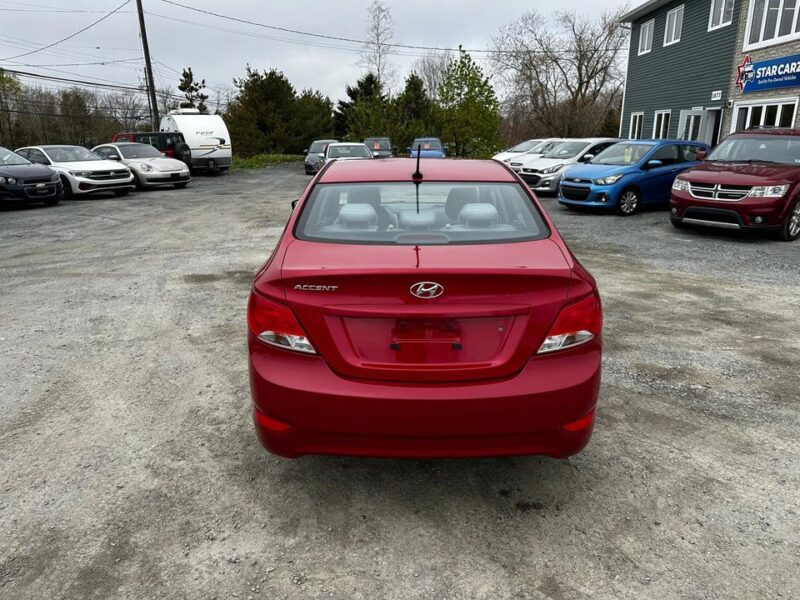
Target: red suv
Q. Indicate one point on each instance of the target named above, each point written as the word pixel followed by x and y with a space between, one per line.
pixel 750 181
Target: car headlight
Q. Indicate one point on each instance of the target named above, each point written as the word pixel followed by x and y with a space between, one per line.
pixel 768 191
pixel 8 180
pixel 680 185
pixel 80 173
pixel 553 169
pixel 55 178
pixel 146 168
pixel 2 180
pixel 610 180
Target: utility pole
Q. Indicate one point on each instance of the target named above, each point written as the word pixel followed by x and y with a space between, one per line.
pixel 148 67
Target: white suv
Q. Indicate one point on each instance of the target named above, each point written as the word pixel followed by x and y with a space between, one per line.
pixel 81 170
pixel 515 161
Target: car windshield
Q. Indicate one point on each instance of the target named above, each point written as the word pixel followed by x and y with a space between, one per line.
pixel 431 213
pixel 9 158
pixel 378 143
pixel 427 144
pixel 565 150
pixel 543 147
pixel 139 151
pixel 354 151
pixel 71 154
pixel 622 154
pixel 525 146
pixel 319 146
pixel 784 149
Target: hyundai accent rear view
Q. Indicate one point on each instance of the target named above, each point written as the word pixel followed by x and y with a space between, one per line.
pixel 423 311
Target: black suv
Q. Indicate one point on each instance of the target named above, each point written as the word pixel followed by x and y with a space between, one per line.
pixel 171 143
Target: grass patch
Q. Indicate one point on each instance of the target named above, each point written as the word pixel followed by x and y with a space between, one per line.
pixel 259 161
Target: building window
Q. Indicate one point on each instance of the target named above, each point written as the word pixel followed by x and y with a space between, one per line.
pixel 672 32
pixel 771 22
pixel 661 124
pixel 637 123
pixel 646 37
pixel 721 14
pixel 767 113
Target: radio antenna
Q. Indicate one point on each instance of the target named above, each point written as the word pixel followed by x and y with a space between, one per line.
pixel 416 176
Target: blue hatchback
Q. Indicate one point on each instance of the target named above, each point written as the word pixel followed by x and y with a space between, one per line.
pixel 629 175
pixel 429 147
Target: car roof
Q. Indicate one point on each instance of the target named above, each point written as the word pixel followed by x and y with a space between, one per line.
pixel 346 144
pixel 427 137
pixel 652 142
pixel 400 169
pixel 769 131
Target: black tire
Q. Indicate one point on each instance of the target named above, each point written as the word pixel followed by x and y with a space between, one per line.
pixel 678 224
pixel 137 182
pixel 180 186
pixel 628 203
pixel 67 187
pixel 791 226
pixel 183 153
pixel 121 193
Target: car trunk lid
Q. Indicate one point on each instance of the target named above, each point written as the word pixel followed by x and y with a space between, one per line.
pixel 355 304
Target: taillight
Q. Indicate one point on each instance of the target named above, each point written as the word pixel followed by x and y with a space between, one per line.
pixel 276 325
pixel 576 324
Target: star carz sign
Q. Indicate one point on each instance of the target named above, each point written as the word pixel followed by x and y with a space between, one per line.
pixel 768 74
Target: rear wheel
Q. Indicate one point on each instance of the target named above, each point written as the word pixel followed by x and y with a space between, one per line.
pixel 121 192
pixel 791 227
pixel 628 203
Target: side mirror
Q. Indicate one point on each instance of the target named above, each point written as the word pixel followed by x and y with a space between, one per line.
pixel 294 203
pixel 653 164
pixel 408 149
pixel 114 157
pixel 305 151
pixel 587 157
pixel 701 155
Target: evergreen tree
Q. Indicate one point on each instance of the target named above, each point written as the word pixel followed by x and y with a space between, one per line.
pixel 193 91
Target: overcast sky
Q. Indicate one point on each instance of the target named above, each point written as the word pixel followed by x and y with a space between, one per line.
pixel 218 49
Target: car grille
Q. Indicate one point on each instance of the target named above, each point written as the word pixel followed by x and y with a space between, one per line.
pixel 35 180
pixel 712 215
pixel 41 190
pixel 530 170
pixel 516 164
pixel 727 193
pixel 106 175
pixel 571 192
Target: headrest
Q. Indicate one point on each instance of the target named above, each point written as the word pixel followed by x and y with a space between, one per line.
pixel 411 219
pixel 358 215
pixel 364 195
pixel 457 199
pixel 477 215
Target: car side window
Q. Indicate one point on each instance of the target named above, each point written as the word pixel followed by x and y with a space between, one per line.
pixel 598 148
pixel 668 155
pixel 103 151
pixel 37 156
pixel 24 153
pixel 690 152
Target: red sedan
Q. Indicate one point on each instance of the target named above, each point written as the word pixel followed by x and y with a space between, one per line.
pixel 423 313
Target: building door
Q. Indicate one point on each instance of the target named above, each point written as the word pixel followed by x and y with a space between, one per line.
pixel 692 124
pixel 713 123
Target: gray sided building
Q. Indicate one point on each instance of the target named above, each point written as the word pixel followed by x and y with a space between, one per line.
pixel 679 68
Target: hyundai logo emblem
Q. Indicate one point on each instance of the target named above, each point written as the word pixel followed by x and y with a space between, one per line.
pixel 427 289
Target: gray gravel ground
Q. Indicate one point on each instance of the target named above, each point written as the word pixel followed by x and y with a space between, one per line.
pixel 129 468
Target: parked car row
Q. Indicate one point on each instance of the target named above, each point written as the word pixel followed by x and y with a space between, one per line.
pixel 46 174
pixel 750 181
pixel 322 151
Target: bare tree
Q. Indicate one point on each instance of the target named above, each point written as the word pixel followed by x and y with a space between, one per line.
pixel 221 99
pixel 167 100
pixel 127 109
pixel 380 32
pixel 431 68
pixel 566 74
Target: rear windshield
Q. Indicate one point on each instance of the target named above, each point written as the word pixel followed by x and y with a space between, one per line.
pixel 784 149
pixel 433 213
pixel 427 144
pixel 378 143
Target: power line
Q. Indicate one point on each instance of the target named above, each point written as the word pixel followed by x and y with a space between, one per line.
pixel 84 64
pixel 103 18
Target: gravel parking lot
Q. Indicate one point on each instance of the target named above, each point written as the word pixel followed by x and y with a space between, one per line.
pixel 129 467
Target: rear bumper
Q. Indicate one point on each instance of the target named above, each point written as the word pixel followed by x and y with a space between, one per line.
pixel 213 162
pixel 302 407
pixel 741 214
